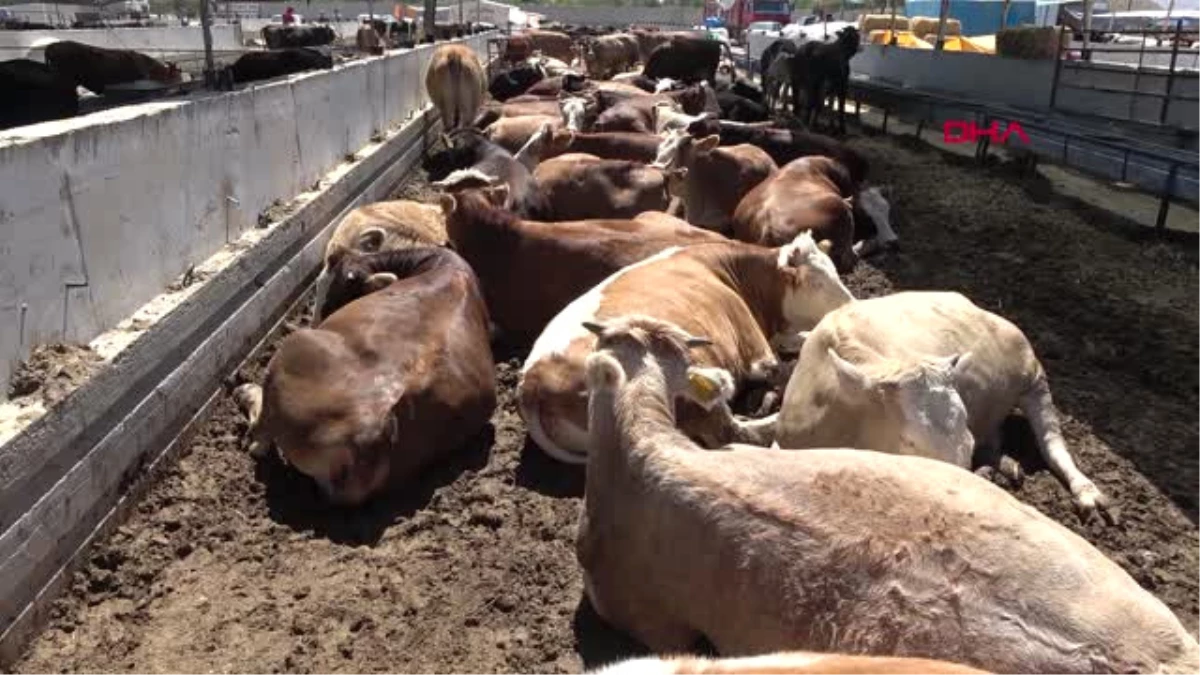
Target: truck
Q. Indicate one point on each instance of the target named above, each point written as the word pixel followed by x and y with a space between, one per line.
pixel 737 15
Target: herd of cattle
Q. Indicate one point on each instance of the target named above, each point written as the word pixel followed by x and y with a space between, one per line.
pixel 666 265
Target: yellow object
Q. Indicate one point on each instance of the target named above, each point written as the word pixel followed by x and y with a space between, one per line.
pixel 904 38
pixel 958 43
pixel 702 387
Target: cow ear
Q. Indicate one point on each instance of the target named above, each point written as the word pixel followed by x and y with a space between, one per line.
pixel 380 280
pixel 957 364
pixel 849 374
pixel 371 240
pixel 825 245
pixel 448 203
pixel 497 195
pixel 594 327
pixel 708 143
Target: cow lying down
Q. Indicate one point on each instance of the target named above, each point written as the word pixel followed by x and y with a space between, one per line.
pixel 747 297
pixel 929 374
pixel 390 382
pixel 795 663
pixel 831 550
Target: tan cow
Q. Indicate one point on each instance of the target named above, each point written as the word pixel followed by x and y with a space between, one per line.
pixel 795 663
pixel 531 270
pixel 810 194
pixel 456 84
pixel 553 44
pixel 833 550
pixel 512 133
pixel 607 55
pixel 717 178
pixel 746 297
pixel 924 373
pixel 638 114
pixel 579 186
pixel 381 226
pixel 388 383
pixel 368 41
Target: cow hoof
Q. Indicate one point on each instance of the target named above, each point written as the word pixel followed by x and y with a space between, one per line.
pixel 1011 469
pixel 1089 501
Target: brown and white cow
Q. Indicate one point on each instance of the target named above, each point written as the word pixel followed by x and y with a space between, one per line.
pixel 633 146
pixel 388 383
pixel 925 373
pixel 717 178
pixel 381 226
pixel 531 270
pixel 783 663
pixel 810 194
pixel 832 550
pixel 512 133
pixel 456 84
pixel 578 186
pixel 745 297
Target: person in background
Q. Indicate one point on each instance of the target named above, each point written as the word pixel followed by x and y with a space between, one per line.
pixel 289 16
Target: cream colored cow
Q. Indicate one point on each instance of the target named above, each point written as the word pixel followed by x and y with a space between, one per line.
pixel 924 373
pixel 832 550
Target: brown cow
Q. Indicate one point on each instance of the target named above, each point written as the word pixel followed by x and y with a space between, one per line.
pixel 512 133
pixel 637 113
pixel 388 383
pixel 530 270
pixel 633 146
pixel 456 84
pixel 783 663
pixel 381 226
pixel 609 55
pixel 745 298
pixel 553 44
pixel 808 194
pixel 579 186
pixel 717 178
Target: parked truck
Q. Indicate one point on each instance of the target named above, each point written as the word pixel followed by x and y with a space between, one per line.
pixel 737 15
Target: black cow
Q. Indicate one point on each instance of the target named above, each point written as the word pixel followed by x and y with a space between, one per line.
pixel 253 66
pixel 95 68
pixel 515 82
pixel 33 92
pixel 467 148
pixel 740 109
pixel 822 69
pixel 686 58
pixel 775 76
pixel 784 145
pixel 279 37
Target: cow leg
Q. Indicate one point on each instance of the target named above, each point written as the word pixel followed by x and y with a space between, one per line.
pixel 1038 407
pixel 249 399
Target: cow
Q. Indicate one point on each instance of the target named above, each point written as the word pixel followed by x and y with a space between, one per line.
pixel 389 383
pixel 668 119
pixel 368 41
pixel 608 55
pixel 748 298
pixel 636 114
pixel 775 70
pixel 793 663
pixel 633 146
pixel 518 48
pixel 95 68
pixel 34 92
pixel 455 83
pixel 381 226
pixel 738 108
pixel 650 39
pixel 471 160
pixel 521 106
pixel 717 178
pixel 553 44
pixel 531 270
pixel 687 58
pixel 551 66
pixel 889 361
pixel 254 66
pixel 579 186
pixel 513 133
pixel 830 550
pixel 515 81
pixel 821 69
pixel 280 37
pixel 785 145
pixel 810 194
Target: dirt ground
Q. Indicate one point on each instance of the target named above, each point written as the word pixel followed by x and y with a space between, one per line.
pixel 229 566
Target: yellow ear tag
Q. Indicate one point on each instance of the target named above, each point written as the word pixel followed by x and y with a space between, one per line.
pixel 703 388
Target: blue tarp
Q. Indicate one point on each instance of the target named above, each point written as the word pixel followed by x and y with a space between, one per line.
pixel 978 18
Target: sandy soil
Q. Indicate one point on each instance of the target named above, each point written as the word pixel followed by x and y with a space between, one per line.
pixel 229 566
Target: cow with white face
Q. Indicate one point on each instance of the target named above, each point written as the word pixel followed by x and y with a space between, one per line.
pixel 928 374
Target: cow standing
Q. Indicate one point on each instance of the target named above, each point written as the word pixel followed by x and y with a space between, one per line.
pixel 456 84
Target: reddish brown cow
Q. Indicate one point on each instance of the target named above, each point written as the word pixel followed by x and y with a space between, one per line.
pixel 717 178
pixel 530 270
pixel 578 186
pixel 808 194
pixel 633 146
pixel 553 44
pixel 388 383
pixel 637 113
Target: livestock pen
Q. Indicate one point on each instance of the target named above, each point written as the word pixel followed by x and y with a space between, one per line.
pixel 219 563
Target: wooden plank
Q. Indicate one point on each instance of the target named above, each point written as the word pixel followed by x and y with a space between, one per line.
pixel 179 373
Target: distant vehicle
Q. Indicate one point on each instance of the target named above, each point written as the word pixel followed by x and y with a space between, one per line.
pixel 386 18
pixel 719 34
pixel 764 27
pixel 278 18
pixel 739 15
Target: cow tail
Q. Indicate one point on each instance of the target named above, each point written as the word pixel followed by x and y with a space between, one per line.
pixel 456 70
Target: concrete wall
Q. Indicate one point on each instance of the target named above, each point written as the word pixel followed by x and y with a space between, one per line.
pixel 99 213
pixel 977 76
pixel 1097 89
pixel 620 16
pixel 18 44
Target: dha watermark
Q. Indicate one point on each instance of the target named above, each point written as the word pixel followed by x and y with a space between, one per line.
pixel 966 131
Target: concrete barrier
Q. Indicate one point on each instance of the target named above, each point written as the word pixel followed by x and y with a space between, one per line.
pixel 165 41
pixel 99 213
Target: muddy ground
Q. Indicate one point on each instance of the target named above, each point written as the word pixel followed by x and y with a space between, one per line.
pixel 229 566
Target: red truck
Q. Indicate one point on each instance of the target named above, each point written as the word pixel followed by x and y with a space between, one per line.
pixel 741 13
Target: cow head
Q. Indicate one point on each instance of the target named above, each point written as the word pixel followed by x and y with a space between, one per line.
pixel 918 406
pixel 634 342
pixel 679 149
pixel 577 112
pixel 812 287
pixel 367 240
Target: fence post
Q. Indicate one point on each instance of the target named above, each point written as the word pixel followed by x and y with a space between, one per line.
pixel 1166 104
pixel 1058 59
pixel 1161 223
